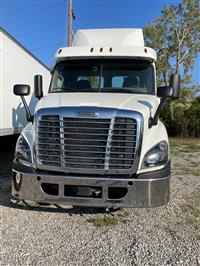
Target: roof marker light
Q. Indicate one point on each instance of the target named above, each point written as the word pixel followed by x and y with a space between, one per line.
pixel 101 50
pixel 111 49
pixel 92 49
pixel 145 50
pixel 59 51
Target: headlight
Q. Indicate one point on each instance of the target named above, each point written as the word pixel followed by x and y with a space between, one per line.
pixel 158 155
pixel 22 150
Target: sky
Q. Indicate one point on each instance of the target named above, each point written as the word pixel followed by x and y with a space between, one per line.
pixel 41 25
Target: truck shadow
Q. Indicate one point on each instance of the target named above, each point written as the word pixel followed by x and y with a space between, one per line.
pixel 7 201
pixel 7 147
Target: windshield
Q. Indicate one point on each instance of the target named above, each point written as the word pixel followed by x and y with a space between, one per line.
pixel 101 76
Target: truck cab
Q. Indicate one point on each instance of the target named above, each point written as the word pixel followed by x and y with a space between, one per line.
pixel 96 139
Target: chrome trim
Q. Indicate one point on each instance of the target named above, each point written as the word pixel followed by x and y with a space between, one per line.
pixel 62 142
pixel 103 113
pixel 142 192
pixel 108 145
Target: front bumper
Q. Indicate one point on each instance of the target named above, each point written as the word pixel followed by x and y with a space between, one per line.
pixel 145 190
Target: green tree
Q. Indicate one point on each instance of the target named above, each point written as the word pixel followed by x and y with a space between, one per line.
pixel 175 35
pixel 194 118
pixel 186 119
pixel 183 29
pixel 155 37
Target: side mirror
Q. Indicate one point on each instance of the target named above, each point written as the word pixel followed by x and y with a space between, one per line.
pixel 21 90
pixel 175 84
pixel 38 86
pixel 165 92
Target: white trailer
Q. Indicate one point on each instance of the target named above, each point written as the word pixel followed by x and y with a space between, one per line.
pixel 17 65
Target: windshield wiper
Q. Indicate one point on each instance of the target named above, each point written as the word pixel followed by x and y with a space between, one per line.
pixel 66 89
pixel 122 90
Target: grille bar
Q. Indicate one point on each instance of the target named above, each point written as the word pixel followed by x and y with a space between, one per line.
pixel 80 151
pixel 90 134
pixel 114 140
pixel 74 145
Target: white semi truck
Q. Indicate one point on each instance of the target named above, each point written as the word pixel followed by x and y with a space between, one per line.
pixel 96 139
pixel 17 65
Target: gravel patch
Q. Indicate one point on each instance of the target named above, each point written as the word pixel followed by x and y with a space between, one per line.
pixel 167 235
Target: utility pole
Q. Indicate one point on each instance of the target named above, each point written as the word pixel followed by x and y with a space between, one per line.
pixel 70 18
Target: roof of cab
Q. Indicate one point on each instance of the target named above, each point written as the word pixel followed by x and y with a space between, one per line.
pixel 100 43
pixel 109 37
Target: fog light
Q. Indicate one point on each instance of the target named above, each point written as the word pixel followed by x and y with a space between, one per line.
pixel 18 178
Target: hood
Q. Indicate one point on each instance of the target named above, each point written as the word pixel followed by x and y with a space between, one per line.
pixel 144 104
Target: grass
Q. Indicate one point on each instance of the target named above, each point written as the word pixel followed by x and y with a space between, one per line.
pixel 192 167
pixel 172 232
pixel 192 204
pixel 191 208
pixel 30 204
pixel 186 170
pixel 184 145
pixel 189 149
pixel 188 215
pixel 106 220
pixel 109 219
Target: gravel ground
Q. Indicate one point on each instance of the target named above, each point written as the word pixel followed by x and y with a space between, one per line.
pixel 166 235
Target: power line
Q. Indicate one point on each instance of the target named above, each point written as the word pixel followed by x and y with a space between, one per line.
pixel 31 13
pixel 41 29
pixel 45 47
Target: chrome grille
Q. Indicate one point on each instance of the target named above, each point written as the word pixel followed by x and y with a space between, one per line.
pixel 86 143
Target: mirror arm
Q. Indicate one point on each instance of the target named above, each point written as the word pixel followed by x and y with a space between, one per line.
pixel 29 117
pixel 153 121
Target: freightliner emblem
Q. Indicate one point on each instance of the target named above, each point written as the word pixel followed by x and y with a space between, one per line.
pixel 86 114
